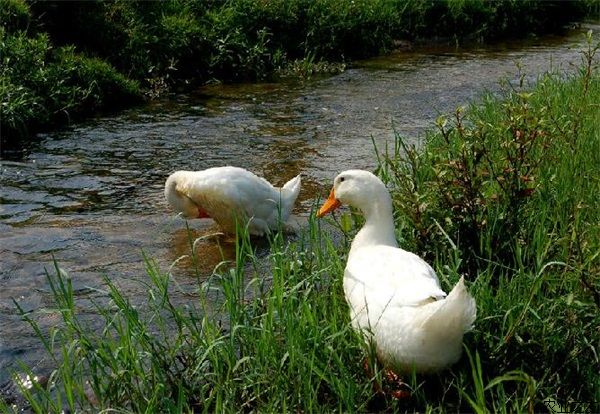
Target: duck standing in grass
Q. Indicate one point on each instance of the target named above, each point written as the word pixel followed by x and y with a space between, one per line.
pixel 394 296
pixel 230 194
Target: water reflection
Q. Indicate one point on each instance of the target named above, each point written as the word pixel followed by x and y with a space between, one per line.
pixel 211 249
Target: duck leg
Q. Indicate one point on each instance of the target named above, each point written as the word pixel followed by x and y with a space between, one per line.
pixel 393 385
pixel 396 388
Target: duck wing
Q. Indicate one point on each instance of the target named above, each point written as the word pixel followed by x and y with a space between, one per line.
pixel 386 276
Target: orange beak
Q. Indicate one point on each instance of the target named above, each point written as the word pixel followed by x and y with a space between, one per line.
pixel 330 204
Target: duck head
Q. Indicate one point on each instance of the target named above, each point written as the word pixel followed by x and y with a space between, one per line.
pixel 357 188
pixel 179 200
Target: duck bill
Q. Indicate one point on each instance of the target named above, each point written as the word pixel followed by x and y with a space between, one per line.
pixel 330 204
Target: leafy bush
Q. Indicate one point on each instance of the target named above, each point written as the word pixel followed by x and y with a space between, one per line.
pixel 41 85
pixel 492 20
pixel 338 30
pixel 14 15
pixel 142 39
pixel 245 39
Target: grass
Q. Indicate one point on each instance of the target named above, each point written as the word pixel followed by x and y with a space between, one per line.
pixel 272 352
pixel 504 191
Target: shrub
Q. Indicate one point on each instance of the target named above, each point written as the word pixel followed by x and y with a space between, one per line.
pixel 14 15
pixel 142 39
pixel 21 105
pixel 41 85
pixel 350 30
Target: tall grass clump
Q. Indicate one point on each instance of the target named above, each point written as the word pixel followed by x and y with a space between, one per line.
pixel 506 191
pixel 43 86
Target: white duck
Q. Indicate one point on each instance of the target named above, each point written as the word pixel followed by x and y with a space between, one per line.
pixel 227 194
pixel 394 296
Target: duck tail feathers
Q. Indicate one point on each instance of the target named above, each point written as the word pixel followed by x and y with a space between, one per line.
pixel 457 312
pixel 293 186
pixel 290 191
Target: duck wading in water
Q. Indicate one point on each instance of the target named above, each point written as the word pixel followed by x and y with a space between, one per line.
pixel 229 195
pixel 394 296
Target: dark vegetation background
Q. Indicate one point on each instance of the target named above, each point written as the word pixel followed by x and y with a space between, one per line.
pixel 67 59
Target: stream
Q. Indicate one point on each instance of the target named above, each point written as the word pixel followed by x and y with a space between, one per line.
pixel 91 195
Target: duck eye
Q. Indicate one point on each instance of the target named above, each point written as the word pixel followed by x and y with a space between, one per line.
pixel 342 179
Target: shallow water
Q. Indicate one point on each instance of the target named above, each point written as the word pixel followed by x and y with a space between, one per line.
pixel 91 196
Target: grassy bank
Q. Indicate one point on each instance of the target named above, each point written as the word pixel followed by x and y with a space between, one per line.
pixel 62 60
pixel 504 192
pixel 42 85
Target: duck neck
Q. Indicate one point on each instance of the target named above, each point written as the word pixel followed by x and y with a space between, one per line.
pixel 379 225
